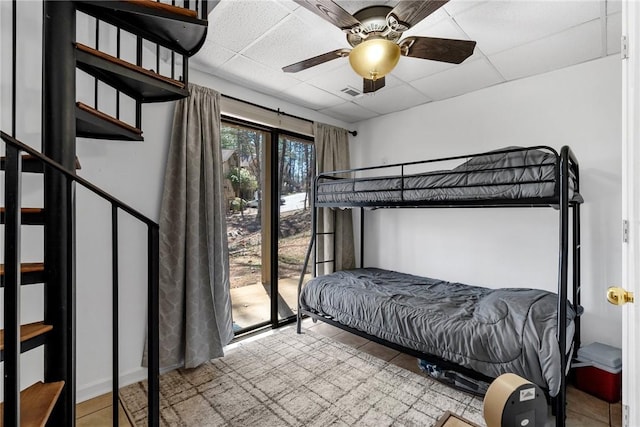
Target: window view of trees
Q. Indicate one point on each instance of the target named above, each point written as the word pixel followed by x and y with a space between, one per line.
pixel 243 158
pixel 241 154
pixel 295 168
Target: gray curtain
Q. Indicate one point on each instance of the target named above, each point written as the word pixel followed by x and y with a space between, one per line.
pixel 332 153
pixel 195 305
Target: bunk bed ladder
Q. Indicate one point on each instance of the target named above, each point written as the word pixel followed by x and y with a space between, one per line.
pixel 319 258
pixel 310 248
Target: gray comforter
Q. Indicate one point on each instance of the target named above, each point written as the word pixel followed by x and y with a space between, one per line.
pixel 492 331
pixel 525 174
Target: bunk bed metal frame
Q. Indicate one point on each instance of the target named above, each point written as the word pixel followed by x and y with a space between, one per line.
pixel 566 168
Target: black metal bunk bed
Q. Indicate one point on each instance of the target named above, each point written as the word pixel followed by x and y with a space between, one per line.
pixel 536 176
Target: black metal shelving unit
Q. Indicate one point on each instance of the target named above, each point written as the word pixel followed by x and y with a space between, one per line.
pixel 63 120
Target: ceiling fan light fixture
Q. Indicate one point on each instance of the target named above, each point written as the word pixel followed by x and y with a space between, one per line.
pixel 375 58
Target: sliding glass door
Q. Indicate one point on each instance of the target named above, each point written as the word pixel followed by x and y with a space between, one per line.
pixel 242 155
pixel 267 188
pixel 295 172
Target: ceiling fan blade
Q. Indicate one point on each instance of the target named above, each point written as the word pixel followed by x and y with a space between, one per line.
pixel 443 50
pixel 409 13
pixel 370 86
pixel 330 11
pixel 316 60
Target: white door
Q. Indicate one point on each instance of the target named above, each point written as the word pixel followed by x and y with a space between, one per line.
pixel 631 212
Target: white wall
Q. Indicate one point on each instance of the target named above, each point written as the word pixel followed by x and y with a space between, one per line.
pixel 578 106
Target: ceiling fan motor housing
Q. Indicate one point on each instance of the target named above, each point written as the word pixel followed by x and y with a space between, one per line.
pixel 374 22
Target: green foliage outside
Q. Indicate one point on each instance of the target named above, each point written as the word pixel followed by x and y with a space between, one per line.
pixel 238 204
pixel 243 182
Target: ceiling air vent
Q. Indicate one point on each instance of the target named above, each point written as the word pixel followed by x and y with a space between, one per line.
pixel 351 91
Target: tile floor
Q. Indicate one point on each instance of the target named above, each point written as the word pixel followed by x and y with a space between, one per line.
pixel 97 413
pixel 583 409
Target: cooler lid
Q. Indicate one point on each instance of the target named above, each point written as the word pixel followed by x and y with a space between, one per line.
pixel 602 354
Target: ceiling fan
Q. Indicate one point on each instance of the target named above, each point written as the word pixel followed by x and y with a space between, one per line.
pixel 374 33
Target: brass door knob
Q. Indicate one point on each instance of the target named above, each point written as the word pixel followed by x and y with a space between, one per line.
pixel 619 296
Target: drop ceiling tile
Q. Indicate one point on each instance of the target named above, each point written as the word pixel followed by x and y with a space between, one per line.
pixel 454 8
pixel 339 78
pixel 319 70
pixel 249 73
pixel 310 97
pixel 614 32
pixel 464 78
pixel 289 4
pixel 349 112
pixel 438 24
pixel 390 99
pixel 293 40
pixel 576 45
pixel 210 56
pixel 501 25
pixel 410 69
pixel 614 6
pixel 315 21
pixel 353 6
pixel 236 24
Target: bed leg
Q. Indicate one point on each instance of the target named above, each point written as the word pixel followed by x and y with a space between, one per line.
pixel 298 323
pixel 559 410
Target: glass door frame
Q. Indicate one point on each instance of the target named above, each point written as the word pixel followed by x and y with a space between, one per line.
pixel 270 198
pixel 275 220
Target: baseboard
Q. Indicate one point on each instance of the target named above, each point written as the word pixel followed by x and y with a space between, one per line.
pixel 100 387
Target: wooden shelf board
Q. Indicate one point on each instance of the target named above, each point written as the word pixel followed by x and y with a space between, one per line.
pixel 36 403
pixel 166 7
pixel 139 83
pixel 27 267
pixel 30 216
pixel 91 123
pixel 30 273
pixel 31 164
pixel 173 27
pixel 28 331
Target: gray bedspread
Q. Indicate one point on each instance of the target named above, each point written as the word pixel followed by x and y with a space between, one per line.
pixel 523 174
pixel 492 331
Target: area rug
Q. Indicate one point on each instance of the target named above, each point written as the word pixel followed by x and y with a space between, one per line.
pixel 449 419
pixel 286 379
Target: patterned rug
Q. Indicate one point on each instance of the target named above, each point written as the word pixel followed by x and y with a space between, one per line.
pixel 286 379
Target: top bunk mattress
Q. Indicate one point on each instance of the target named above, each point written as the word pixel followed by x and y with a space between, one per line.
pixel 519 174
pixel 492 331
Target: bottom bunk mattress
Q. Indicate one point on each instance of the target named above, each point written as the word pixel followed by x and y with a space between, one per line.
pixel 492 331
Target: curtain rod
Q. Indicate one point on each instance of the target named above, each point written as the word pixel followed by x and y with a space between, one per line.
pixel 278 111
